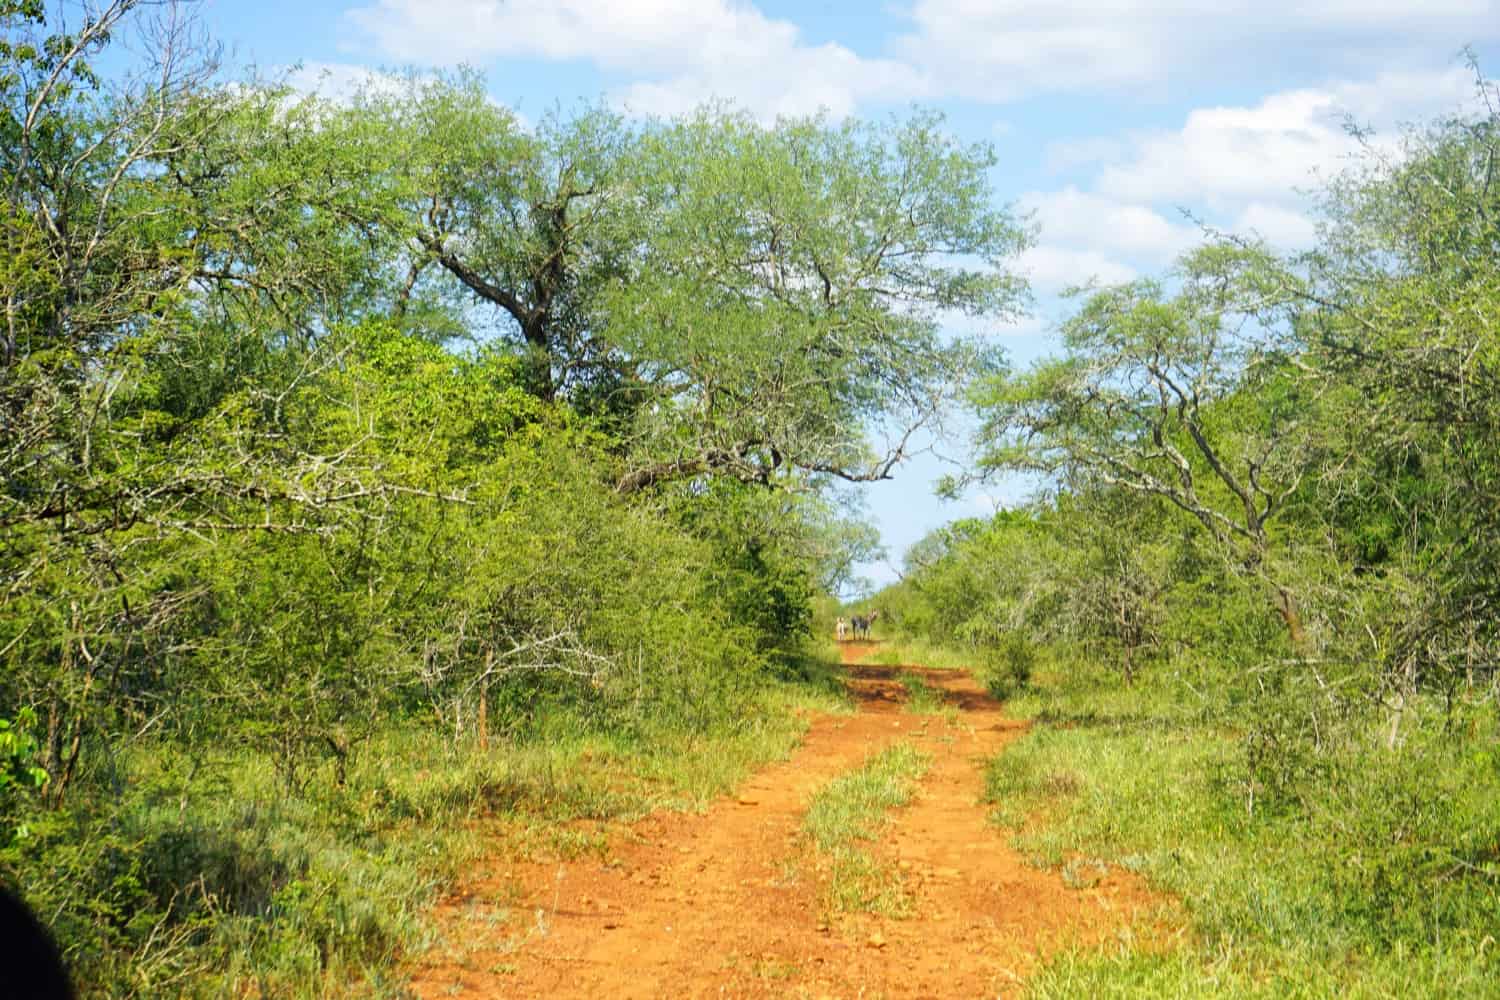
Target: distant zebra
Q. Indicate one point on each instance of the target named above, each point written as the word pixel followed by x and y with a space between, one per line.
pixel 862 624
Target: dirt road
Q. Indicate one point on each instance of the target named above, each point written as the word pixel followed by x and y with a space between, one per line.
pixel 728 903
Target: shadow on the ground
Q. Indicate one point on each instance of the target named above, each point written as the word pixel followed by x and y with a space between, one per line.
pixel 969 701
pixel 875 688
pixel 1107 720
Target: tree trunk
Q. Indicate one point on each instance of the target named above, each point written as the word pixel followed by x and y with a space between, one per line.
pixel 338 744
pixel 538 360
pixel 484 718
pixel 484 701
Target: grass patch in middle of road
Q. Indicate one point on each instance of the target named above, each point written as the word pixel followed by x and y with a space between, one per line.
pixel 852 808
pixel 921 697
pixel 899 650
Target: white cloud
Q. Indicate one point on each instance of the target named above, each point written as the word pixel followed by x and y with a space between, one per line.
pixel 1079 218
pixel 1085 236
pixel 340 82
pixel 679 53
pixel 1238 168
pixel 1004 49
pixel 1278 226
pixel 1051 268
pixel 789 81
pixel 682 52
pixel 1223 156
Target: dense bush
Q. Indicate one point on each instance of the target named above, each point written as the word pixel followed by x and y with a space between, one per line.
pixel 1258 598
pixel 333 427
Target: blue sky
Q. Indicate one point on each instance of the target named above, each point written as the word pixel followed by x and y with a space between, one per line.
pixel 1111 118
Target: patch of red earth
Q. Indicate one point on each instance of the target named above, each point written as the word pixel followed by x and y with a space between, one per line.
pixel 727 903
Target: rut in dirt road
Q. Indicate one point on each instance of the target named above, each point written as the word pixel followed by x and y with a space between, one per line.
pixel 729 903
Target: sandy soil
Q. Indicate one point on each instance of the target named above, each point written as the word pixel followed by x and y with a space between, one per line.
pixel 729 903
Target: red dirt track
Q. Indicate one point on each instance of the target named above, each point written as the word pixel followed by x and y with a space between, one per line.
pixel 728 903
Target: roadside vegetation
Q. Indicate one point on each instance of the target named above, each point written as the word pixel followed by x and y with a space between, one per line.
pixel 899 649
pixel 1361 889
pixel 1253 617
pixel 384 471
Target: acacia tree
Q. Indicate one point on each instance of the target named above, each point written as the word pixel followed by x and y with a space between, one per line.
pixel 1401 302
pixel 173 252
pixel 740 300
pixel 532 222
pixel 1183 397
pixel 792 290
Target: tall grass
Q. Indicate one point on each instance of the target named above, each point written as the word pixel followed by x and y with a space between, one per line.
pixel 202 875
pixel 1375 876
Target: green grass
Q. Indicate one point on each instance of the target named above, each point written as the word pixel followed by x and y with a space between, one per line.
pixel 922 698
pixel 1353 884
pixel 205 876
pixel 853 808
pixel 896 650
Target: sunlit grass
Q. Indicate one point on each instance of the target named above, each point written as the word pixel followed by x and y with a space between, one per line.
pixel 897 650
pixel 853 808
pixel 922 698
pixel 317 889
pixel 1279 903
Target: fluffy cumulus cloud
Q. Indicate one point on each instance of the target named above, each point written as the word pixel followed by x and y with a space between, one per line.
pixel 1004 49
pixel 1224 156
pixel 680 52
pixel 1281 227
pixel 1052 267
pixel 1242 168
pixel 674 54
pixel 1078 218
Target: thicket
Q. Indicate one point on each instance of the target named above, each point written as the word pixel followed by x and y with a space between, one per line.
pixel 366 463
pixel 1254 613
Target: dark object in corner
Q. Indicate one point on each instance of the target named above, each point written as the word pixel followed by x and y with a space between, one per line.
pixel 31 967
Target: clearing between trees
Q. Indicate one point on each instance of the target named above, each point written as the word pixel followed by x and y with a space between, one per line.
pixel 739 901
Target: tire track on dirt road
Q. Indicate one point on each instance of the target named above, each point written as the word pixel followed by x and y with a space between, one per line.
pixel 727 903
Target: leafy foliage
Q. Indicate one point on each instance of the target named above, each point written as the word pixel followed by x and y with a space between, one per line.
pixel 338 431
pixel 1316 430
